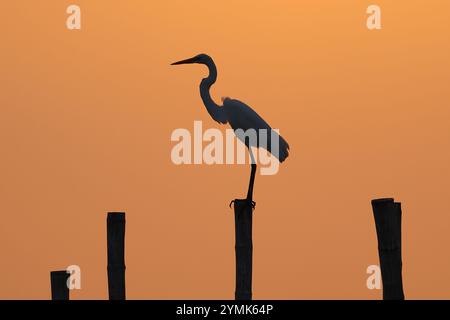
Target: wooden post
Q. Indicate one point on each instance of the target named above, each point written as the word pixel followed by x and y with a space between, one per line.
pixel 243 218
pixel 388 221
pixel 58 280
pixel 116 255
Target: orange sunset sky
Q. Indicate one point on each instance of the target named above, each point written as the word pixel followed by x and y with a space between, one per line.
pixel 86 118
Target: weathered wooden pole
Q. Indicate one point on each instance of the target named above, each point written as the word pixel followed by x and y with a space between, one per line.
pixel 388 221
pixel 116 255
pixel 58 280
pixel 243 218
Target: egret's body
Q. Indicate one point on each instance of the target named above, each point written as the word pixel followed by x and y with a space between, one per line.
pixel 238 115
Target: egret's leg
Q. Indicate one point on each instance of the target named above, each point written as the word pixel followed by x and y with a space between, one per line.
pixel 252 176
pixel 251 183
pixel 249 198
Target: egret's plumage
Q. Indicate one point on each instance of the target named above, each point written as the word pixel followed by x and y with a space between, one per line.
pixel 238 115
pixel 241 116
pixel 234 112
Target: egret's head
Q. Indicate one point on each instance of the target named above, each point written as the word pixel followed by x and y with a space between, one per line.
pixel 201 59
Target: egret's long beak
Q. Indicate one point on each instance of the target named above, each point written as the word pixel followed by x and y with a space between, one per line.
pixel 187 61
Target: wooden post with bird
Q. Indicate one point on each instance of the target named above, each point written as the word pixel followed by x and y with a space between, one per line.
pixel 116 255
pixel 242 119
pixel 243 224
pixel 243 221
pixel 388 222
pixel 58 281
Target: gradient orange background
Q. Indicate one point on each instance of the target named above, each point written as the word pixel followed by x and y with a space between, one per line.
pixel 85 125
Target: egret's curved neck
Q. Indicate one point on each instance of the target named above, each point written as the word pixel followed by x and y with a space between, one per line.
pixel 214 110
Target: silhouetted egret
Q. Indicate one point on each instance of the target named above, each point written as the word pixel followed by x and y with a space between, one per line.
pixel 239 116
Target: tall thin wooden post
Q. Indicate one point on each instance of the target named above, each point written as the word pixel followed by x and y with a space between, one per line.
pixel 243 218
pixel 388 221
pixel 58 281
pixel 116 255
